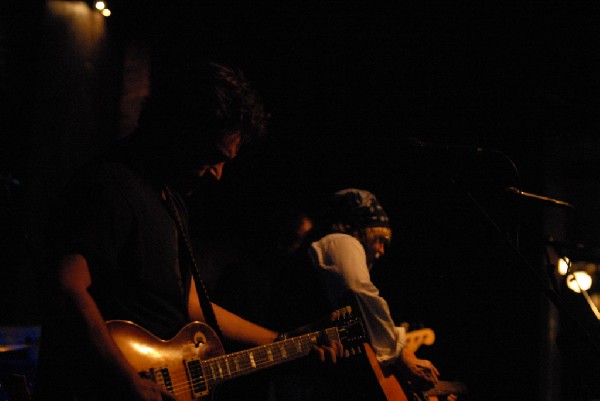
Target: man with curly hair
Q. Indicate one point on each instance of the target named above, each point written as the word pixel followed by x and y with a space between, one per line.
pixel 120 244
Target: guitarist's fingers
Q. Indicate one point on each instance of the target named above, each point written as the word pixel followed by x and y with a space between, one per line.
pixel 326 353
pixel 338 348
pixel 320 352
pixel 330 353
pixel 426 371
pixel 432 373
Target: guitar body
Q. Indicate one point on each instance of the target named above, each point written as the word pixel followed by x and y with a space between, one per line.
pixel 193 363
pixel 153 357
pixel 388 382
pixel 395 388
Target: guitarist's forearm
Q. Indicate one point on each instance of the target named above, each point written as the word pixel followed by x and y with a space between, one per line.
pixel 101 340
pixel 233 326
pixel 238 329
pixel 75 281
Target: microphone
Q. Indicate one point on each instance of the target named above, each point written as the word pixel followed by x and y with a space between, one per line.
pixel 538 198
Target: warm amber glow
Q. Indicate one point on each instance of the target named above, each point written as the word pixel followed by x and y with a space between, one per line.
pixel 106 12
pixel 145 350
pixel 100 5
pixel 563 265
pixel 579 281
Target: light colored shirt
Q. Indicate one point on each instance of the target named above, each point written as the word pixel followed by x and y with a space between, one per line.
pixel 342 261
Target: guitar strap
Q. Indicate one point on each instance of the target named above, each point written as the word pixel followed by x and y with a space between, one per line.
pixel 184 242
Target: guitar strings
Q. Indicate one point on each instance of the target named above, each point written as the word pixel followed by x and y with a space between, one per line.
pixel 293 348
pixel 241 365
pixel 212 365
pixel 210 379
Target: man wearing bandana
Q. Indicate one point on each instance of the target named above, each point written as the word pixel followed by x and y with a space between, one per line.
pixel 356 232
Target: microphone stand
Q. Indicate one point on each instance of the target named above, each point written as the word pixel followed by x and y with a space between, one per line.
pixel 520 260
pixel 539 279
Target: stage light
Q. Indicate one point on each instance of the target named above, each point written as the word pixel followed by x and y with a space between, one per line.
pixel 100 5
pixel 579 281
pixel 563 265
pixel 106 12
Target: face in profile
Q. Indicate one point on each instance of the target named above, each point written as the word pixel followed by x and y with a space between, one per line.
pixel 205 165
pixel 210 163
pixel 375 241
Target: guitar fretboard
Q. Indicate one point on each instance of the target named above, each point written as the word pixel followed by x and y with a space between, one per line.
pixel 210 372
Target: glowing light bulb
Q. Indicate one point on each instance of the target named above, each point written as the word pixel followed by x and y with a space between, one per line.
pixel 100 5
pixel 106 12
pixel 563 265
pixel 579 281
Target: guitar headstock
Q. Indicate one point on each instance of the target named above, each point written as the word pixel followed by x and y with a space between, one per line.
pixel 350 331
pixel 416 338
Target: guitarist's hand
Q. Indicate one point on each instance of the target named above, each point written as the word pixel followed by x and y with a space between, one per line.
pixel 147 390
pixel 330 352
pixel 423 373
pixel 333 349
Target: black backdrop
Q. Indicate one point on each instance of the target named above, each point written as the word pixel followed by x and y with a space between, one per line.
pixel 348 85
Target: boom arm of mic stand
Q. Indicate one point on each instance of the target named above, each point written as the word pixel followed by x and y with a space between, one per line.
pixel 553 296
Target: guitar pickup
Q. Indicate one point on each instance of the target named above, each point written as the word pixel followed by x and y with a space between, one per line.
pixel 160 376
pixel 196 378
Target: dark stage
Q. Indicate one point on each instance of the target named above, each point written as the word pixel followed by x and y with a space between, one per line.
pixel 437 109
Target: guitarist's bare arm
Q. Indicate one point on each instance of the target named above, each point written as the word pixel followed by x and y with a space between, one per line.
pixel 236 328
pixel 233 326
pixel 75 280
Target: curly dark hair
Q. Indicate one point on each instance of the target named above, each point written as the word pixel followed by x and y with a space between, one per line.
pixel 206 100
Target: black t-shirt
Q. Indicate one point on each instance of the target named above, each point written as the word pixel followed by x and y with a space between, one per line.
pixel 116 219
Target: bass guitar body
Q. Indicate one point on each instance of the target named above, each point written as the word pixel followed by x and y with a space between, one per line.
pixel 395 388
pixel 388 382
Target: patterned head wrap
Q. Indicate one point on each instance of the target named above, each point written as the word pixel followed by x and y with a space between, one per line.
pixel 357 209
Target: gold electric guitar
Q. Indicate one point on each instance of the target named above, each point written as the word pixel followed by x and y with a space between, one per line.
pixel 193 363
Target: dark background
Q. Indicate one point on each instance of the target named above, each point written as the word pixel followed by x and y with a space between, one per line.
pixel 501 95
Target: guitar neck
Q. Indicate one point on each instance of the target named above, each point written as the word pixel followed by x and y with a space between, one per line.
pixel 193 363
pixel 226 367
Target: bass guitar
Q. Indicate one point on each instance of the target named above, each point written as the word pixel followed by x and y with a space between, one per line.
pixel 193 363
pixel 396 388
pixel 416 338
